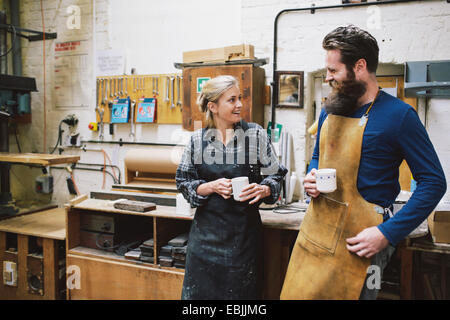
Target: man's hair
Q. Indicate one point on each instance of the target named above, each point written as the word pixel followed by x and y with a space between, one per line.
pixel 354 44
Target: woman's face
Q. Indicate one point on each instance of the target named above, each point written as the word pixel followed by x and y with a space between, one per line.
pixel 227 110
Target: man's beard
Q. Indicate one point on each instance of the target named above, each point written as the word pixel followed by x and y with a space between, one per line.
pixel 343 100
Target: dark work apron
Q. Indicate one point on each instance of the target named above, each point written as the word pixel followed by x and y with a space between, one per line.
pixel 224 246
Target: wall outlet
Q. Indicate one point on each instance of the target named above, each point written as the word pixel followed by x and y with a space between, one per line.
pixel 9 273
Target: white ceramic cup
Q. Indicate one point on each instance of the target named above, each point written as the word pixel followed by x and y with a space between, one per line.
pixel 238 184
pixel 326 180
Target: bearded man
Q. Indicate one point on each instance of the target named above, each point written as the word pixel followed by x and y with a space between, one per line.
pixel 348 236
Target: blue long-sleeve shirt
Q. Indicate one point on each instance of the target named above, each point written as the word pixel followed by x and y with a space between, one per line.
pixel 394 133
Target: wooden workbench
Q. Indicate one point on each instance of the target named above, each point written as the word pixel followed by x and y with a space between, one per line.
pixel 416 283
pixel 106 275
pixel 18 235
pixel 36 158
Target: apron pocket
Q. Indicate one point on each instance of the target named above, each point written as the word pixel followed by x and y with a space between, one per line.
pixel 323 224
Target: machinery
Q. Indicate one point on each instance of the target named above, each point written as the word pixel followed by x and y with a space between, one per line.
pixel 14 100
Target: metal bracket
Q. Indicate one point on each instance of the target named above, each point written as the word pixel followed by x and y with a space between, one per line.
pixel 37 35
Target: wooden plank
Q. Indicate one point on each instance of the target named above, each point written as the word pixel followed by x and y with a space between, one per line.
pixel 51 268
pixel 290 221
pixel 114 280
pixel 45 224
pixel 22 279
pixel 165 113
pixel 137 206
pixel 223 54
pixel 37 158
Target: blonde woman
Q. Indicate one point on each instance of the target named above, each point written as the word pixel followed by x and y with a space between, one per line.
pixel 224 246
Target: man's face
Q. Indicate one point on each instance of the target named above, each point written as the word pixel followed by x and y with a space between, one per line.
pixel 336 70
pixel 347 90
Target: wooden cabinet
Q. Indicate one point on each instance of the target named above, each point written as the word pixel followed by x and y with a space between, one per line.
pixel 251 83
pixel 99 274
pixel 104 274
pixel 32 257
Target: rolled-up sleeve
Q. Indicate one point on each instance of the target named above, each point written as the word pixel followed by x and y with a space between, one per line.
pixel 187 178
pixel 271 170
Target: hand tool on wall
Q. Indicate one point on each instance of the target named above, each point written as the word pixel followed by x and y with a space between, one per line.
pixel 105 93
pixel 126 86
pixel 157 84
pixel 97 90
pixel 153 85
pixel 100 114
pixel 172 80
pixel 167 99
pixel 102 87
pixel 111 87
pixel 132 134
pixel 179 78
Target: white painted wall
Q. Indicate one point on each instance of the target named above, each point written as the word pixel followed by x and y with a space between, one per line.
pixel 155 33
pixel 405 32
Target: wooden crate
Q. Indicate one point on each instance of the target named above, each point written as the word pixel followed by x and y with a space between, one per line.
pixel 251 84
pixel 238 52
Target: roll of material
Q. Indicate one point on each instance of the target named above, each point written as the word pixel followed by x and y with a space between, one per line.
pixel 156 159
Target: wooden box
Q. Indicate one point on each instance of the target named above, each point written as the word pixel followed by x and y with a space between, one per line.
pixel 251 84
pixel 238 52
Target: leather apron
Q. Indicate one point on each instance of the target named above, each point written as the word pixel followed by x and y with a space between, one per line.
pixel 321 267
pixel 224 248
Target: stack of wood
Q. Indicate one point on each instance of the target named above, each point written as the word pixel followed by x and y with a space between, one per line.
pixel 179 245
pixel 165 256
pixel 133 254
pixel 147 251
pixel 179 256
pixel 174 253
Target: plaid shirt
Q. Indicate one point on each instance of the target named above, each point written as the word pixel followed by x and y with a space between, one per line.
pixel 188 179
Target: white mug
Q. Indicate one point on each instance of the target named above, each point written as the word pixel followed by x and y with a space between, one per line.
pixel 238 184
pixel 326 180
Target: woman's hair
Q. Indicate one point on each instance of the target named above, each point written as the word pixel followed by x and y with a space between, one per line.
pixel 211 92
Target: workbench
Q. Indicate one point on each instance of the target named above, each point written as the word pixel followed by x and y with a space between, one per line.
pixel 415 281
pixel 36 158
pixel 107 275
pixel 7 206
pixel 33 246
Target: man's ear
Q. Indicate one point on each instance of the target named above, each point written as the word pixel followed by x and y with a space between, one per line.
pixel 360 66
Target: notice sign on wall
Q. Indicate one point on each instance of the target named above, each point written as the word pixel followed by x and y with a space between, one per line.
pixel 71 74
pixel 110 63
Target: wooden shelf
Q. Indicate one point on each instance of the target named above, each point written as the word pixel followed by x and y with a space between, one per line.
pixel 49 224
pixel 36 158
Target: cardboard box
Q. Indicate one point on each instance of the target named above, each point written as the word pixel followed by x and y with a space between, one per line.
pixel 239 52
pixel 439 223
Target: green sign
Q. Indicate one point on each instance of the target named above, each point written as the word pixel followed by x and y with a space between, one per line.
pixel 201 82
pixel 277 132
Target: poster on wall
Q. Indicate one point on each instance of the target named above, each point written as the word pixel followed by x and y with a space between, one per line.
pixel 71 78
pixel 109 63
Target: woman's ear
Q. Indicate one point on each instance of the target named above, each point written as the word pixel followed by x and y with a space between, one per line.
pixel 212 107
